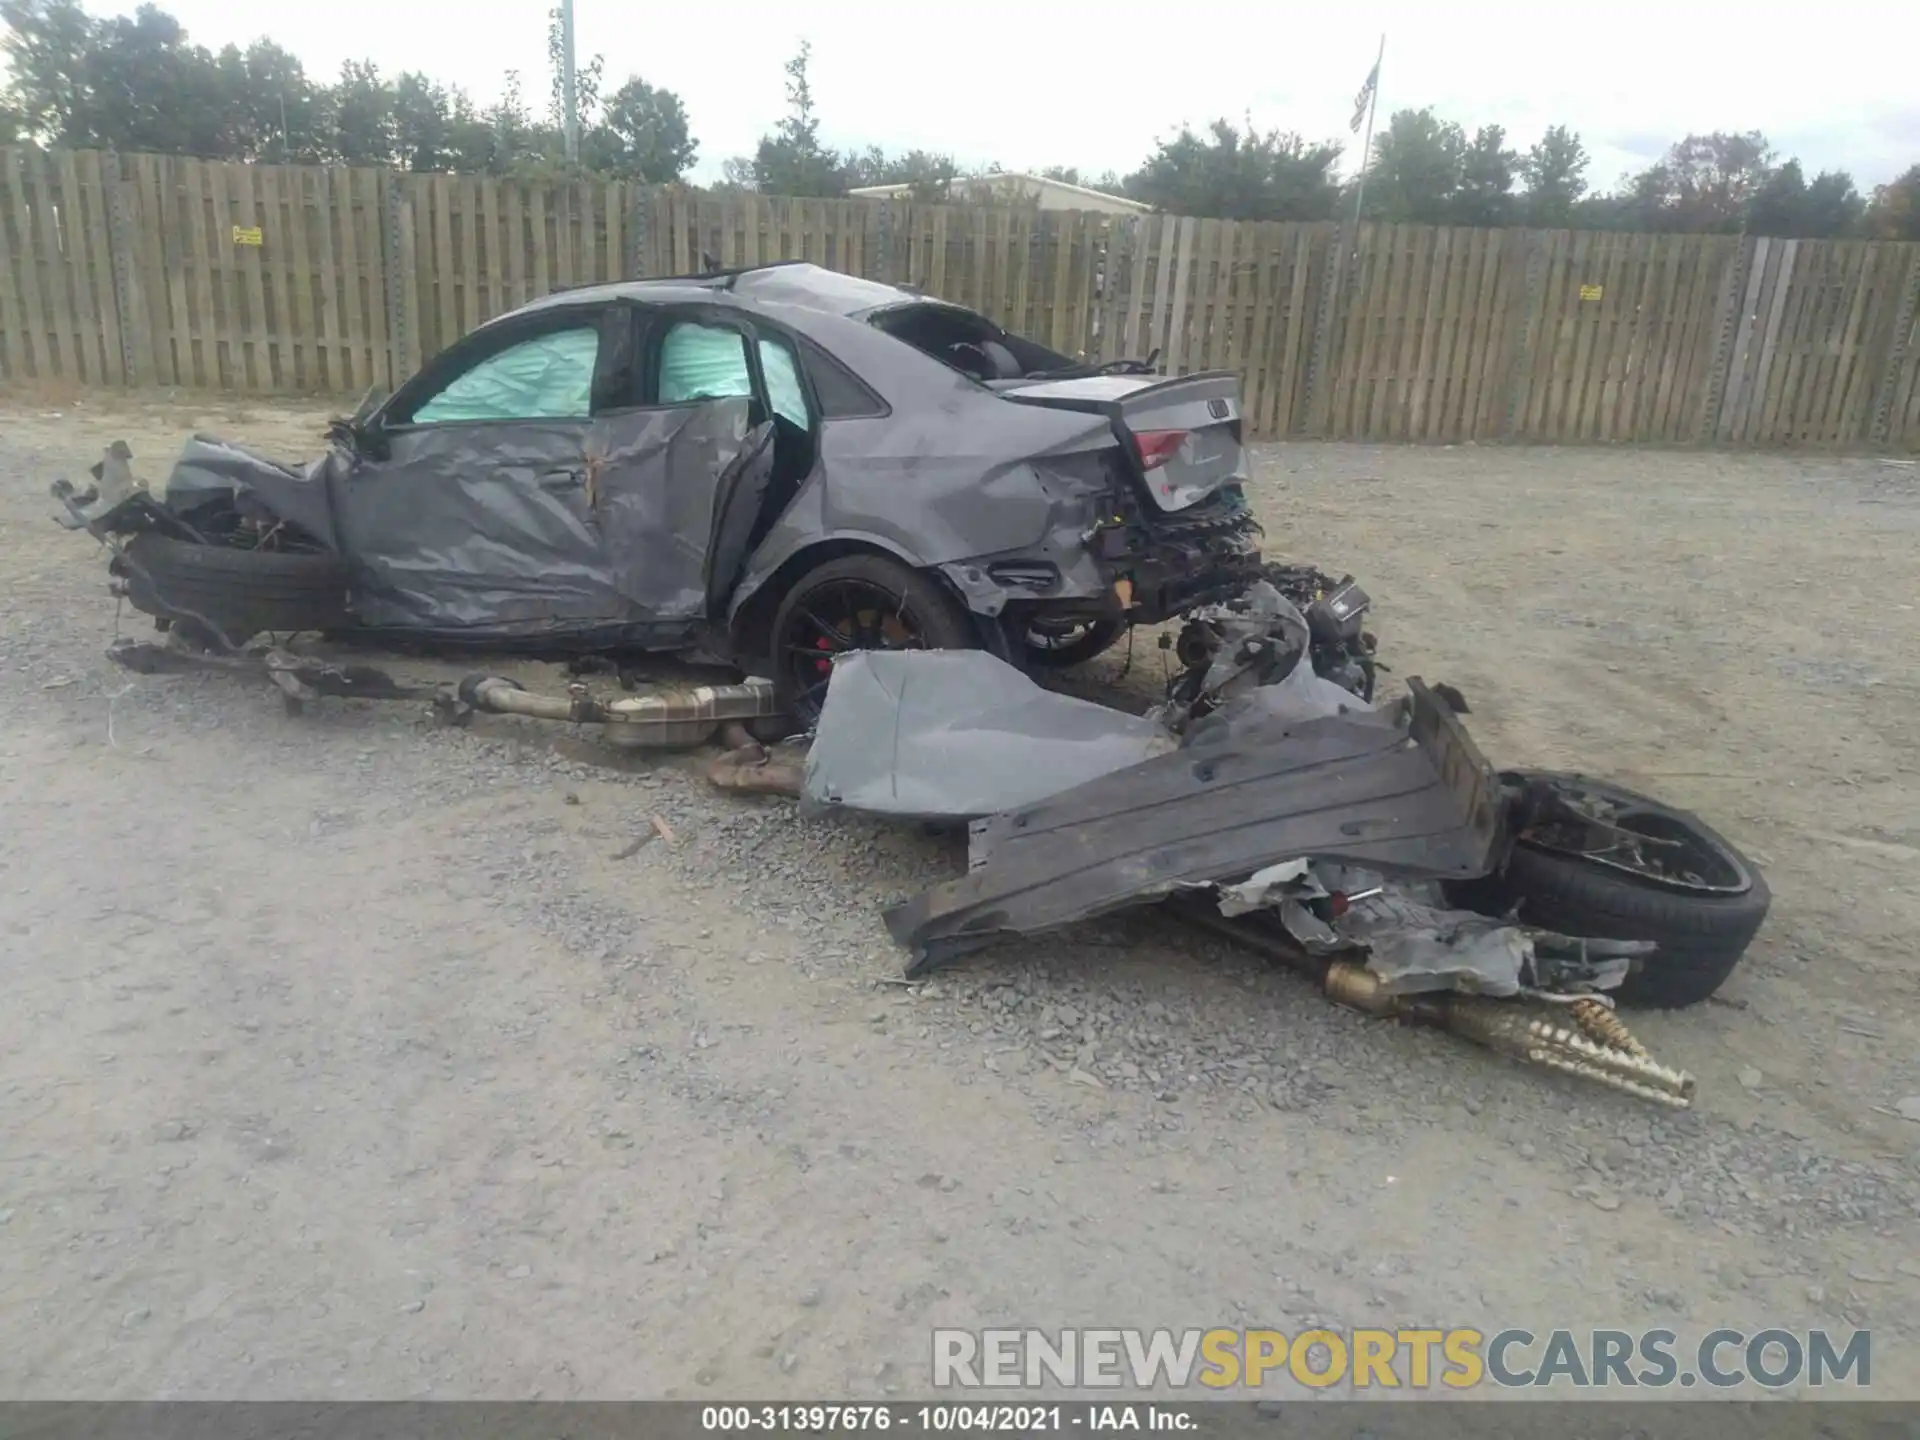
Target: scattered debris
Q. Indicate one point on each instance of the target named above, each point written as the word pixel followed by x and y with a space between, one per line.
pixel 754 768
pixel 1404 794
pixel 1266 798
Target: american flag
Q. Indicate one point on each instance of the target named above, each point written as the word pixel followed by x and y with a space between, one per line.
pixel 1365 97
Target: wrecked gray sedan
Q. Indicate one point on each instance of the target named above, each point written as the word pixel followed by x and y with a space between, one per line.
pixel 766 467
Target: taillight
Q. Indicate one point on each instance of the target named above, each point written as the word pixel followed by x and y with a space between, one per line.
pixel 1157 447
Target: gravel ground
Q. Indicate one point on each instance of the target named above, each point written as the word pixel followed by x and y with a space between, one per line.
pixel 345 1058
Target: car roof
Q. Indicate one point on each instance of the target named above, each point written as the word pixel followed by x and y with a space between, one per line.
pixel 797 283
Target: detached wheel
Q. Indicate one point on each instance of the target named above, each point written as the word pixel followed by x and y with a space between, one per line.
pixel 234 593
pixel 862 602
pixel 1635 870
pixel 1062 644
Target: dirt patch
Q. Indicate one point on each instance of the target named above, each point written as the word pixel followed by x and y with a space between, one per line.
pixel 344 1057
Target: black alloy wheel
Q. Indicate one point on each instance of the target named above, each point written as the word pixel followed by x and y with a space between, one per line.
pixel 863 602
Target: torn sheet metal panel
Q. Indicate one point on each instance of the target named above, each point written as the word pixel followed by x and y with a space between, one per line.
pixel 1414 947
pixel 1413 941
pixel 955 734
pixel 1416 799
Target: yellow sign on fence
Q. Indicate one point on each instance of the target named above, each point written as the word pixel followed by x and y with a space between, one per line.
pixel 1587 292
pixel 245 235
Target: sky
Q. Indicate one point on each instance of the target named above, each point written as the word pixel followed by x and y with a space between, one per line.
pixel 1096 83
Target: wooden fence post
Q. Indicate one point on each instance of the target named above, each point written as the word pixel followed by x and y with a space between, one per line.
pixel 396 233
pixel 1888 391
pixel 1734 304
pixel 1524 330
pixel 1733 376
pixel 1317 385
pixel 639 256
pixel 1116 275
pixel 123 239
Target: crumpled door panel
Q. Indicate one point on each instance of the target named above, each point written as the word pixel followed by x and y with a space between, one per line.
pixel 676 491
pixel 477 527
pixel 531 528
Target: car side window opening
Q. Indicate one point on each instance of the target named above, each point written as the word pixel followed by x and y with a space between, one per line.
pixel 709 362
pixel 549 377
pixel 969 342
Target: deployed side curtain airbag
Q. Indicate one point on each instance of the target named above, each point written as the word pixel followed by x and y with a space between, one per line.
pixel 706 362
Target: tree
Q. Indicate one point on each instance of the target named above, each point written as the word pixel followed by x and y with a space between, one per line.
pixel 1895 212
pixel 1107 182
pixel 514 135
pixel 1787 205
pixel 362 112
pixel 1239 176
pixel 275 112
pixel 1418 163
pixel 1554 177
pixel 422 123
pixel 586 78
pixel 929 175
pixel 1703 185
pixel 737 175
pixel 46 49
pixel 642 135
pixel 1488 168
pixel 136 83
pixel 792 161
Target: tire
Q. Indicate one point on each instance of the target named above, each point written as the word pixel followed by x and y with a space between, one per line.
pixel 236 593
pixel 1701 935
pixel 1098 637
pixel 918 603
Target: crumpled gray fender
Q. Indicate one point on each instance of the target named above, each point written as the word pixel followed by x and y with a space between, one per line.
pixel 208 469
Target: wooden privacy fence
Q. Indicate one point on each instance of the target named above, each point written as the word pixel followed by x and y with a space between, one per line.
pixel 147 269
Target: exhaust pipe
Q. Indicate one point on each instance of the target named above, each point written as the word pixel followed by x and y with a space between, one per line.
pixel 684 716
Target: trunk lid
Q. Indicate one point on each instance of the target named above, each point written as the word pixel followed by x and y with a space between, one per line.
pixel 1181 435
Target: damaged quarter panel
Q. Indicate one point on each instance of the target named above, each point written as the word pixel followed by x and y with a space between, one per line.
pixel 1001 498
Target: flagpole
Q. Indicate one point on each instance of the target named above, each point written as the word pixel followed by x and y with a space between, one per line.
pixel 1366 145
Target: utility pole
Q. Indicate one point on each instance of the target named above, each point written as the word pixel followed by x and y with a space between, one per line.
pixel 569 92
